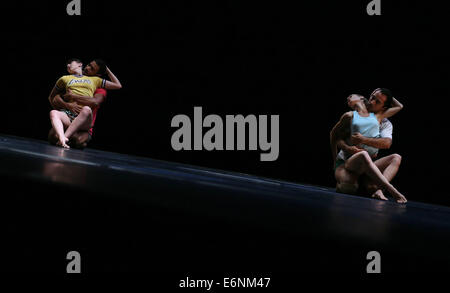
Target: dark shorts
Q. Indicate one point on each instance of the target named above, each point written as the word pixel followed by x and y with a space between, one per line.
pixel 338 163
pixel 71 115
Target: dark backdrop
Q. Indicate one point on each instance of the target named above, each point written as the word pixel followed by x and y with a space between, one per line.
pixel 298 60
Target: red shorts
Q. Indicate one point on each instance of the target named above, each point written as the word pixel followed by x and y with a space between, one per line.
pixel 94 113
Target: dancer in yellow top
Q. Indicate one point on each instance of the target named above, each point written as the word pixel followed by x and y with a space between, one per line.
pixel 81 85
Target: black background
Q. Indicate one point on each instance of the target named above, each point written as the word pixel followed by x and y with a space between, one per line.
pixel 296 59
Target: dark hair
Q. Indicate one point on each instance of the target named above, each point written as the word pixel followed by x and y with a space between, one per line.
pixel 388 94
pixel 101 66
pixel 73 59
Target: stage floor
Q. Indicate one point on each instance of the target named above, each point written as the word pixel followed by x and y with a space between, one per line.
pixel 154 215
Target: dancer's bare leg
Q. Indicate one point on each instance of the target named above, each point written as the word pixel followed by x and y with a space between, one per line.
pixel 389 166
pixel 59 121
pixel 82 122
pixel 361 163
pixel 78 140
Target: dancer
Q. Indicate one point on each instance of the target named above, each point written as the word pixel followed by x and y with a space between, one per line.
pixel 359 161
pixel 65 122
pixel 73 103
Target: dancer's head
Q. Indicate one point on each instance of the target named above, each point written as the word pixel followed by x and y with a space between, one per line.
pixel 380 100
pixel 353 100
pixel 74 66
pixel 95 67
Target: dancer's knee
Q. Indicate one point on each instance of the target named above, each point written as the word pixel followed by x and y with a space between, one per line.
pixel 363 156
pixel 54 114
pixel 86 111
pixel 396 159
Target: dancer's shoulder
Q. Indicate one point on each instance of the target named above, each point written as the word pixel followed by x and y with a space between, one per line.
pixel 347 115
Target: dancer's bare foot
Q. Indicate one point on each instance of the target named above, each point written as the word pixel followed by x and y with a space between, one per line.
pixel 63 142
pixel 379 195
pixel 400 199
pixel 396 194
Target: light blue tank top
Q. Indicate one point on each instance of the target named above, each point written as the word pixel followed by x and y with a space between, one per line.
pixel 368 127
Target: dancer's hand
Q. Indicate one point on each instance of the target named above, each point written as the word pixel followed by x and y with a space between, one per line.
pixel 68 96
pixel 357 138
pixel 351 150
pixel 74 108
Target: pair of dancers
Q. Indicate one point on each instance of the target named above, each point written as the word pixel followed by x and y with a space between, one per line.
pixel 356 166
pixel 76 98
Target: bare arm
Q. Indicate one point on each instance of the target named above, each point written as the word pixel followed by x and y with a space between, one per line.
pixel 379 143
pixel 57 102
pixel 51 99
pixel 349 149
pixel 92 102
pixel 338 130
pixel 60 104
pixel 114 84
pixel 396 107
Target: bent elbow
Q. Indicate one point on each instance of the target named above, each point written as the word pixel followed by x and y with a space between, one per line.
pixel 388 144
pixel 332 136
pixel 116 86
